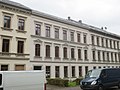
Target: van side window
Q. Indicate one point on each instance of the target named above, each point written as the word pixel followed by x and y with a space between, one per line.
pixel 103 74
pixel 0 79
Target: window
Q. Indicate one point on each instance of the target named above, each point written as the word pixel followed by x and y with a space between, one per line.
pixel 99 58
pixel 85 38
pixel 7 21
pixel 79 54
pixel 106 42
pixel 72 36
pixel 5 45
pixel 37 50
pixel 102 42
pixel 94 55
pixel 20 47
pixel 48 72
pixel 47 31
pixel 4 67
pixel 92 39
pixel 85 54
pixel 98 43
pixel 73 71
pixel 86 69
pixel 19 67
pixel 37 67
pixel 114 44
pixel 57 71
pixel 64 35
pixel 112 56
pixel 119 57
pixel 65 71
pixel 116 57
pixel 78 37
pixel 80 71
pixel 108 56
pixel 57 52
pixel 65 52
pixel 117 44
pixel 103 56
pixel 56 33
pixel 72 53
pixel 47 50
pixel 37 29
pixel 94 67
pixel 110 43
pixel 21 24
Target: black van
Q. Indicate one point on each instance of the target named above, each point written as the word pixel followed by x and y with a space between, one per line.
pixel 100 79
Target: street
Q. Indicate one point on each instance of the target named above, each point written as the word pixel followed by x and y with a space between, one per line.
pixel 52 87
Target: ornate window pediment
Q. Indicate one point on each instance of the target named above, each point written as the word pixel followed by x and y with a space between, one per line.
pixel 38 41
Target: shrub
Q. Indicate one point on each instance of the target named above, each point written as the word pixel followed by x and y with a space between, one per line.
pixel 58 82
pixel 71 84
pixel 78 80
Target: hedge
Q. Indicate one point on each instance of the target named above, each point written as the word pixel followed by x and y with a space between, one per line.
pixel 58 82
pixel 63 82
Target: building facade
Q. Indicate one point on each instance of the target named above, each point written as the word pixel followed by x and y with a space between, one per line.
pixel 68 49
pixel 14 33
pixel 64 48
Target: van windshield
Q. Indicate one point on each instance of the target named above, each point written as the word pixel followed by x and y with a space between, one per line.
pixel 93 73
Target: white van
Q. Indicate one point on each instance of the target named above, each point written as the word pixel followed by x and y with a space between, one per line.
pixel 22 80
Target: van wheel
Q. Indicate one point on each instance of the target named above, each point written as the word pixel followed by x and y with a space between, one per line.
pixel 100 87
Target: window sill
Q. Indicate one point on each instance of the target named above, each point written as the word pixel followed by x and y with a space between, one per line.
pixel 57 58
pixel 48 57
pixel 37 57
pixel 7 29
pixel 80 59
pixel 21 31
pixel 73 59
pixel 86 59
pixel 5 53
pixel 65 58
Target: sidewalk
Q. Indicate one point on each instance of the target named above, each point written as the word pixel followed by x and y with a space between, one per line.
pixel 52 87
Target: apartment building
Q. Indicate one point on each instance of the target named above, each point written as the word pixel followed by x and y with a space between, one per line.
pixel 14 33
pixel 68 48
pixel 64 48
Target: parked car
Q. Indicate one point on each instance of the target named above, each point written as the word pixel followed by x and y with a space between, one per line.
pixel 22 80
pixel 100 79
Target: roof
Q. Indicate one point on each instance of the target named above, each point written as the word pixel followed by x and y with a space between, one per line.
pixel 61 20
pixel 14 4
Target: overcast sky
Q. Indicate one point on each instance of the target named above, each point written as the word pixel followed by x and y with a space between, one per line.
pixel 98 13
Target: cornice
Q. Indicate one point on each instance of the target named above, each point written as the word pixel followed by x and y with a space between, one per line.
pixel 75 62
pixel 15 9
pixel 69 42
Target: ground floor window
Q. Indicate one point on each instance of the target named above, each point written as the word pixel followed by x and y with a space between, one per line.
pixel 57 71
pixel 19 67
pixel 4 67
pixel 37 68
pixel 86 69
pixel 80 71
pixel 48 72
pixel 73 71
pixel 65 71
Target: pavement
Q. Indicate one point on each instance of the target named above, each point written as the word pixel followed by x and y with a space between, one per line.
pixel 52 87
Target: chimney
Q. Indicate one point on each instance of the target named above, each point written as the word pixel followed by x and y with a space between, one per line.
pixel 68 18
pixel 80 21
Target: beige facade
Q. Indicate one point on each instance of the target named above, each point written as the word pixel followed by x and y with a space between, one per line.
pixel 63 48
pixel 92 47
pixel 10 35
